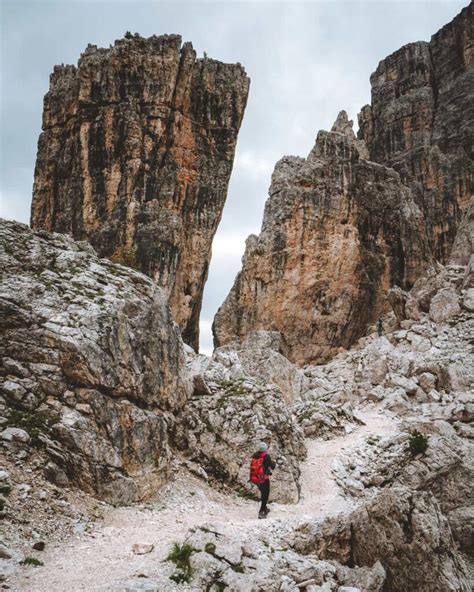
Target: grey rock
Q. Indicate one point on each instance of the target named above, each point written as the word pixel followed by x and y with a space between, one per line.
pixel 106 331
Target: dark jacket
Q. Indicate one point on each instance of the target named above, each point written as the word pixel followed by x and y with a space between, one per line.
pixel 268 464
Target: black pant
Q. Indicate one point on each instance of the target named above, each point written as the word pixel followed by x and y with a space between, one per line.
pixel 264 493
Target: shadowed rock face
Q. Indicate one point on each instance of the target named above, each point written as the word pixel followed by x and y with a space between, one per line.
pixel 338 231
pixel 135 156
pixel 359 216
pixel 421 123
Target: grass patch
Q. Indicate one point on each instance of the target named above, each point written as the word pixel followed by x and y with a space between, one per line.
pixel 249 495
pixel 233 387
pixel 180 555
pixel 418 443
pixel 31 561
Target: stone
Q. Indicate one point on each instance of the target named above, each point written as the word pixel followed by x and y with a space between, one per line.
pixel 39 546
pixel 398 528
pixel 468 300
pixel 142 548
pixel 93 323
pixel 311 227
pixel 444 305
pixel 398 298
pixel 135 157
pixel 427 381
pixel 15 435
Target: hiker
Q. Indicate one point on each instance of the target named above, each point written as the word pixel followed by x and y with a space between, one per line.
pixel 379 327
pixel 261 467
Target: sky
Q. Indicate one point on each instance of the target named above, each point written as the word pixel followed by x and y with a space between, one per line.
pixel 306 60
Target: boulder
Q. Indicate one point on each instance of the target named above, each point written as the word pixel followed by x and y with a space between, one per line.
pixel 86 332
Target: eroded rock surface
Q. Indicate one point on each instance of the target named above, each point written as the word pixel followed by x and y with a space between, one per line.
pixel 360 216
pixel 92 365
pixel 135 156
pixel 338 232
pixel 230 411
pixel 404 531
pixel 421 123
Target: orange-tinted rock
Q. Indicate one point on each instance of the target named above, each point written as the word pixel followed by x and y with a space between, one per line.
pixel 135 156
pixel 338 232
pixel 360 216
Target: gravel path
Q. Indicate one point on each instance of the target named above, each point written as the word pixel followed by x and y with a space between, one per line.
pixel 103 560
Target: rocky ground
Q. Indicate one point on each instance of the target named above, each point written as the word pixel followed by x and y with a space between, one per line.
pixel 103 536
pixel 367 502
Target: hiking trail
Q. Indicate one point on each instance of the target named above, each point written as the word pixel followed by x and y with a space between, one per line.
pixel 102 558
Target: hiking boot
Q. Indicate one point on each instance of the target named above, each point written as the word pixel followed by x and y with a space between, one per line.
pixel 262 514
pixel 267 511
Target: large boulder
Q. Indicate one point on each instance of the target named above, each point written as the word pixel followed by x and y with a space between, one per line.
pixel 403 530
pixel 228 414
pixel 92 363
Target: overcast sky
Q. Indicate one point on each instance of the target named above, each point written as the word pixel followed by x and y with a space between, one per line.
pixel 306 61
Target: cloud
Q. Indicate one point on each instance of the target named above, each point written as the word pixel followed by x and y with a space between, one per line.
pixel 252 164
pixel 12 206
pixel 205 328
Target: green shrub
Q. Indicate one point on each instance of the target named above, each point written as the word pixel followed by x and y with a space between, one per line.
pixel 33 423
pixel 210 548
pixel 180 556
pixel 418 443
pixel 128 35
pixel 31 561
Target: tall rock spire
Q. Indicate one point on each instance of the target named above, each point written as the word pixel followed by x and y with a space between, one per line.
pixel 135 156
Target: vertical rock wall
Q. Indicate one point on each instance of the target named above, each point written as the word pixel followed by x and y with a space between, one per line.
pixel 135 156
pixel 421 123
pixel 338 231
pixel 361 215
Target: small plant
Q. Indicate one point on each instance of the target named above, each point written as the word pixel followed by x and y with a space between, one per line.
pixel 128 35
pixel 34 424
pixel 204 55
pixel 210 548
pixel 180 556
pixel 418 443
pixel 31 561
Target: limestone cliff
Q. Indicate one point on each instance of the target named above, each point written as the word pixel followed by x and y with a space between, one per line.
pixel 135 156
pixel 92 364
pixel 421 123
pixel 338 231
pixel 359 216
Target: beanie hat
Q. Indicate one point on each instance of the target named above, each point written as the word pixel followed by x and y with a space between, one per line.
pixel 262 447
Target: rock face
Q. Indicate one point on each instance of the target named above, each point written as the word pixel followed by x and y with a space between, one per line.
pixel 135 156
pixel 360 216
pixel 92 364
pixel 421 123
pixel 338 232
pixel 231 410
pixel 399 529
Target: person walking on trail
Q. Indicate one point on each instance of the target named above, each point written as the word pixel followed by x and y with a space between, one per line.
pixel 261 467
pixel 379 326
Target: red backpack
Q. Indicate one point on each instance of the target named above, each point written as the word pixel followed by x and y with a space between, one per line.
pixel 257 474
